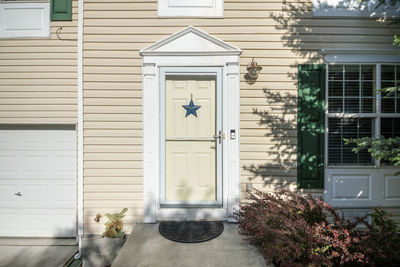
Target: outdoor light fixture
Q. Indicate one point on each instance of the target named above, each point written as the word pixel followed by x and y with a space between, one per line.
pixel 253 69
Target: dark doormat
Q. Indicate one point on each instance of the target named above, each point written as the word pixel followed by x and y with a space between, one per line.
pixel 191 231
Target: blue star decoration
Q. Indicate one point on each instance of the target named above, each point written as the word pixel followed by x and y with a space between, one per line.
pixel 191 108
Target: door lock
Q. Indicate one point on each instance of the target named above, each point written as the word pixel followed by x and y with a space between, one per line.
pixel 219 136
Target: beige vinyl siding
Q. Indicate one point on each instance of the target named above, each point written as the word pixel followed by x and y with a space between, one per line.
pixel 38 76
pixel 280 36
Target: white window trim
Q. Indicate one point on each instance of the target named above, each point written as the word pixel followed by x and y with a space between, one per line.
pixel 214 10
pixel 378 177
pixel 39 10
pixel 360 56
pixel 376 116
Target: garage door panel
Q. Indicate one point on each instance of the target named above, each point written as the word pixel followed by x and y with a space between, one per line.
pixel 10 222
pixel 8 165
pixel 35 165
pixel 7 138
pixel 34 194
pixel 62 193
pixel 35 138
pixel 62 163
pixel 39 162
pixel 35 222
pixel 7 195
pixel 64 139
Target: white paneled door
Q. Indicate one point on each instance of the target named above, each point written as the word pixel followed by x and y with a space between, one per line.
pixel 37 181
pixel 192 139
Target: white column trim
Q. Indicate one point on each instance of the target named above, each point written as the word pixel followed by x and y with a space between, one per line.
pixel 80 123
pixel 150 140
pixel 233 97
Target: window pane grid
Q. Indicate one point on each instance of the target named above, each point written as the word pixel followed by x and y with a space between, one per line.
pixel 390 128
pixel 390 79
pixel 351 89
pixel 352 112
pixel 341 128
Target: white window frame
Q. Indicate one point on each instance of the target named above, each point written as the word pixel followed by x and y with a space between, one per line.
pixel 376 116
pixel 191 8
pixel 38 11
pixel 379 182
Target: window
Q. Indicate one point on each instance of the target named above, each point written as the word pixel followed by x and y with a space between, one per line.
pixel 356 110
pixel 31 18
pixel 191 8
pixel 24 19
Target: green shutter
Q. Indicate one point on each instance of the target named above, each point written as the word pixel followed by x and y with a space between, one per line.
pixel 61 9
pixel 311 126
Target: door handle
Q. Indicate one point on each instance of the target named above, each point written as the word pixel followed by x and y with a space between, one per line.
pixel 18 194
pixel 219 136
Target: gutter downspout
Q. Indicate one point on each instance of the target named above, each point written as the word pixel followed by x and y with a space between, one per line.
pixel 80 127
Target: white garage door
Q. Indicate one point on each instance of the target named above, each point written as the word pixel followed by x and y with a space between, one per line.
pixel 38 181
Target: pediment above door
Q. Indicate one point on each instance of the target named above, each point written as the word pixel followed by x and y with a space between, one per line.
pixel 190 41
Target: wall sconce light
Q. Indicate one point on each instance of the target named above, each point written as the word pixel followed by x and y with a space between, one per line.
pixel 253 70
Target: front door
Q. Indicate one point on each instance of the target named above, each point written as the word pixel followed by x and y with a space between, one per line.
pixel 192 140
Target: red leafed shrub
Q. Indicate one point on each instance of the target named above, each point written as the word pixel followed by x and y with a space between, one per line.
pixel 296 230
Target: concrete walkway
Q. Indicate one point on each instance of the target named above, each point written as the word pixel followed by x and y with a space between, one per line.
pixel 146 247
pixel 39 252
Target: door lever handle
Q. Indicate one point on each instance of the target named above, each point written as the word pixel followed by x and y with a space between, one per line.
pixel 219 137
pixel 18 194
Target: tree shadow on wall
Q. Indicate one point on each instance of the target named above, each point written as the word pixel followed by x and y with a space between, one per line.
pixel 302 36
pixel 279 121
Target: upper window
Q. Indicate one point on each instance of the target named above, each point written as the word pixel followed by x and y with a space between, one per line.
pixel 356 110
pixel 191 8
pixel 24 19
pixel 354 8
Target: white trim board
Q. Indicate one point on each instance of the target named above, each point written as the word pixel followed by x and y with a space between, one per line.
pixel 80 125
pixel 360 55
pixel 160 55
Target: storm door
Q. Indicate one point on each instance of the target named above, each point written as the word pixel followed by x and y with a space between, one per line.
pixel 191 140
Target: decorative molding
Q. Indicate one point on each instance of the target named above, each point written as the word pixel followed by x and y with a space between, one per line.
pixel 181 43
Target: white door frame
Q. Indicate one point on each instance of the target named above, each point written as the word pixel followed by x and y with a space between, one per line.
pixel 227 60
pixel 182 72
